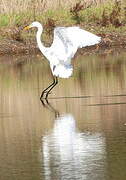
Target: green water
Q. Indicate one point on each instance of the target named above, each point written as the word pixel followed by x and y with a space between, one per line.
pixel 80 134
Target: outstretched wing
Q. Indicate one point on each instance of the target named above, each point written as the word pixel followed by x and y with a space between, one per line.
pixel 68 39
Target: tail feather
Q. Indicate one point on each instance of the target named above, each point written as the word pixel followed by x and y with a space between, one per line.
pixel 62 71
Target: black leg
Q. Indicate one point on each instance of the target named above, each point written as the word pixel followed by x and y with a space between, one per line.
pixel 56 82
pixel 45 90
pixel 50 87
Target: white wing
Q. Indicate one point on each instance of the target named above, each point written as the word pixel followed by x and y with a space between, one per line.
pixel 68 39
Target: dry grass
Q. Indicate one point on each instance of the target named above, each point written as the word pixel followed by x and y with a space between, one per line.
pixel 12 6
pixel 18 12
pixel 89 13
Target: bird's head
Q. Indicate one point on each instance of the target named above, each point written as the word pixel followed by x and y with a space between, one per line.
pixel 34 24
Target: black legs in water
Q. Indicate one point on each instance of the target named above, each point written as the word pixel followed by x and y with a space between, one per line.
pixel 49 88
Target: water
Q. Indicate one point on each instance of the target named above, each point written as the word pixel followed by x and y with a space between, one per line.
pixel 80 134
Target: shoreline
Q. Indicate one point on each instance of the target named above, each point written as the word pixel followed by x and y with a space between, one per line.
pixel 13 47
pixel 106 19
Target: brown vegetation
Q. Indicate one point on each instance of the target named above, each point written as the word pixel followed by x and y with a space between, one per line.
pixel 114 17
pixel 106 20
pixel 12 6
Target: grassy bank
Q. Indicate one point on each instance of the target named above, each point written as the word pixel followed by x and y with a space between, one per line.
pixel 108 15
pixel 103 17
pixel 18 12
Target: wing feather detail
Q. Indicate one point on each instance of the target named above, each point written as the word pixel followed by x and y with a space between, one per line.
pixel 68 39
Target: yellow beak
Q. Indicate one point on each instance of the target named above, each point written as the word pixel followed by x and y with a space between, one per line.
pixel 27 27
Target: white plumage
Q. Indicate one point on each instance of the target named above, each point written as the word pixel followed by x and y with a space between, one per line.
pixel 65 44
pixel 66 41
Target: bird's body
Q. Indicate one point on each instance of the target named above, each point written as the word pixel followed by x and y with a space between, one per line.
pixel 66 41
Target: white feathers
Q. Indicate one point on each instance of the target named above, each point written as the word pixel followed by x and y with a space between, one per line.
pixel 65 44
pixel 62 71
pixel 68 40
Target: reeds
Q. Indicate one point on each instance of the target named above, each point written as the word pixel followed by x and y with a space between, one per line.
pixel 17 6
pixel 62 12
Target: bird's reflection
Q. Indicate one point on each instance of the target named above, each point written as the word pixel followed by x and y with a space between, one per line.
pixel 71 154
pixel 48 106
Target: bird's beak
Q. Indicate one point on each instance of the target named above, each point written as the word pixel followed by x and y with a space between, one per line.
pixel 27 27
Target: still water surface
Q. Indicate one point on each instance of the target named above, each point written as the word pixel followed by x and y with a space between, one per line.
pixel 80 134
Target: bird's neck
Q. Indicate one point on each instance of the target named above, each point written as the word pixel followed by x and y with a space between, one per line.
pixel 38 37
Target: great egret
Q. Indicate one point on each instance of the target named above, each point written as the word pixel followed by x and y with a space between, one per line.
pixel 65 44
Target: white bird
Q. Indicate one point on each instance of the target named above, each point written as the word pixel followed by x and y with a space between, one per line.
pixel 65 44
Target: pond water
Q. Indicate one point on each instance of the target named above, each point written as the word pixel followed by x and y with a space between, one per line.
pixel 79 134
